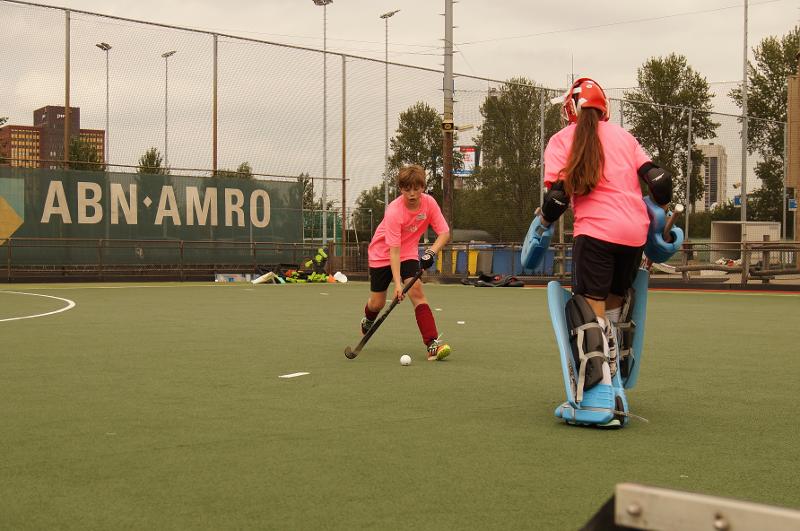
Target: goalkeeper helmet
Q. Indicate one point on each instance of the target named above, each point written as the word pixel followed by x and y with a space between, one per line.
pixel 585 93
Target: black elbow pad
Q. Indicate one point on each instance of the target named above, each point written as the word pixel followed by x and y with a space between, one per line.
pixel 556 202
pixel 659 182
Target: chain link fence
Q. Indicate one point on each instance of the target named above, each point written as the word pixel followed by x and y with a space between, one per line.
pixel 220 101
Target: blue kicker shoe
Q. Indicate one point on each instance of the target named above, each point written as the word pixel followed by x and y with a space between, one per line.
pixel 597 407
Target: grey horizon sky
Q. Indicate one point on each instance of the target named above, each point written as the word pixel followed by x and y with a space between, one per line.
pixel 545 41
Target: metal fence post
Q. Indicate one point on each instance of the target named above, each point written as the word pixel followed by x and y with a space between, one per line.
pixel 689 202
pixel 745 262
pixel 542 111
pixel 785 171
pixel 8 258
pixel 100 258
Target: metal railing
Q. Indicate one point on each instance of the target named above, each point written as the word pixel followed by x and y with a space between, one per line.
pixel 24 259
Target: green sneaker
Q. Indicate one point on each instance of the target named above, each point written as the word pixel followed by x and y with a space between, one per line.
pixel 437 350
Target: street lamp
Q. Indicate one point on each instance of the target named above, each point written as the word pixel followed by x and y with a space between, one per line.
pixel 166 56
pixel 324 4
pixel 105 47
pixel 386 17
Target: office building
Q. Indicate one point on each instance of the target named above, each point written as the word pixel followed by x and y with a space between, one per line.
pixel 42 145
pixel 20 146
pixel 714 171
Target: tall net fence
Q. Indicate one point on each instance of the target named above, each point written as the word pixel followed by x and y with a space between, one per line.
pixel 277 112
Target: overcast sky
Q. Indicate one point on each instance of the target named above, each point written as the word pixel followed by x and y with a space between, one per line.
pixel 543 40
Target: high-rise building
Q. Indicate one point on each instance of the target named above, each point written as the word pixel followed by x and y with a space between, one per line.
pixel 715 176
pixel 50 120
pixel 42 146
pixel 20 146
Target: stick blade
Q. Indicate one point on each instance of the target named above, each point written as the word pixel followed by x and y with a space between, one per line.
pixel 349 353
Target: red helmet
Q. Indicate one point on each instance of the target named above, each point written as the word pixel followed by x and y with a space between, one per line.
pixel 584 93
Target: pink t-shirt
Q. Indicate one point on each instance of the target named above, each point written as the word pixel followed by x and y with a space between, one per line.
pixel 403 228
pixel 614 210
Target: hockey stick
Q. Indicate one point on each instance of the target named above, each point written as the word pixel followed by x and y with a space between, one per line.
pixel 351 353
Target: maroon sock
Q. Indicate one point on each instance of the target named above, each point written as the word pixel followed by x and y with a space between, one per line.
pixel 369 313
pixel 427 326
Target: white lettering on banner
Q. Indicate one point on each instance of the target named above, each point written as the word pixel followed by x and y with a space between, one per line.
pixel 90 208
pixel 234 200
pixel 56 203
pixel 168 206
pixel 129 207
pixel 85 202
pixel 254 200
pixel 193 203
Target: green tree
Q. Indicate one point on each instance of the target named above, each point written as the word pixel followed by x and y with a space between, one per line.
pixel 368 212
pixel 308 191
pixel 84 156
pixel 312 209
pixel 657 111
pixel 504 191
pixel 243 171
pixel 418 140
pixel 766 98
pixel 152 163
pixel 726 212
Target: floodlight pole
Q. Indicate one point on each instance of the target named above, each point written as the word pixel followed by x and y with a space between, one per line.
pixel 386 17
pixel 67 120
pixel 166 56
pixel 324 123
pixel 744 128
pixel 324 4
pixel 105 47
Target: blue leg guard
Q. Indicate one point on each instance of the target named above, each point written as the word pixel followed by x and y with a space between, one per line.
pixel 597 403
pixel 601 404
pixel 629 367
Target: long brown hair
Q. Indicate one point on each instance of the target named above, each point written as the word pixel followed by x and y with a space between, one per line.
pixel 585 164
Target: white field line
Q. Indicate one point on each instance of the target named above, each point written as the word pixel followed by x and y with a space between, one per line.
pixel 293 375
pixel 70 305
pixel 226 284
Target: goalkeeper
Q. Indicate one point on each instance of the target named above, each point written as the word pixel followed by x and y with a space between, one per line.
pixel 393 255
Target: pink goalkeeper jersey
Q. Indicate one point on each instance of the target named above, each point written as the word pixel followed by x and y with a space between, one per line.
pixel 402 228
pixel 614 211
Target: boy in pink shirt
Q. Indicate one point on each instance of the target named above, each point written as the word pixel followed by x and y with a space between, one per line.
pixel 393 255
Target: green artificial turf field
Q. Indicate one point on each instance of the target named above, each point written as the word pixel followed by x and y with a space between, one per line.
pixel 161 407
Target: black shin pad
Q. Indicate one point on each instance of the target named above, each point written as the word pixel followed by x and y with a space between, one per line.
pixel 586 340
pixel 627 328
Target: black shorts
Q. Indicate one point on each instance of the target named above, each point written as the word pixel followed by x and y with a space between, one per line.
pixel 600 268
pixel 381 277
